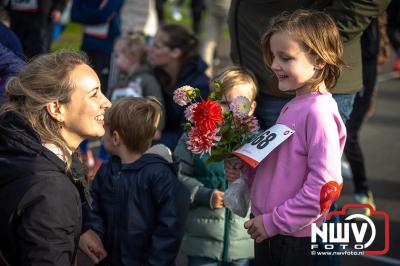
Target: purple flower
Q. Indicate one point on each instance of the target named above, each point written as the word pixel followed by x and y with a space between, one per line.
pixel 183 95
pixel 189 112
pixel 240 106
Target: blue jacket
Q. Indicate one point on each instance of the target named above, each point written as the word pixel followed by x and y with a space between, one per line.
pixel 10 65
pixel 193 74
pixel 89 13
pixel 11 41
pixel 139 211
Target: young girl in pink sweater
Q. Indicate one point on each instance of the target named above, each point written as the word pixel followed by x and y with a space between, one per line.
pixel 296 183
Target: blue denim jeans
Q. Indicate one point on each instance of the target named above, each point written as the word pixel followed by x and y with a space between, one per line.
pixel 203 261
pixel 345 104
pixel 269 107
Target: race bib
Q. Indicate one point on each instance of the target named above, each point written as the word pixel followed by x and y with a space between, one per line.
pixel 98 31
pixel 24 5
pixel 258 148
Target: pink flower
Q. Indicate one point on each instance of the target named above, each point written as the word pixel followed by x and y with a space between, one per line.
pixel 189 111
pixel 240 106
pixel 201 141
pixel 249 121
pixel 183 95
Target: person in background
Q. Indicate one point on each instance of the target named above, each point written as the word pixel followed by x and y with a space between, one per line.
pixel 139 206
pixel 214 234
pixel 10 65
pixel 370 48
pixel 296 184
pixel 215 23
pixel 174 54
pixel 393 29
pixel 32 21
pixel 53 104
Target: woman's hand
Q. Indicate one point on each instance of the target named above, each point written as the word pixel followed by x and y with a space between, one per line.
pixel 90 243
pixel 217 199
pixel 232 169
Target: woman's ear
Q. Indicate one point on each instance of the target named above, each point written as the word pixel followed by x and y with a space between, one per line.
pixel 56 111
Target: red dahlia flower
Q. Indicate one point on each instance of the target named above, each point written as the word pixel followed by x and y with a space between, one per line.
pixel 207 114
pixel 201 141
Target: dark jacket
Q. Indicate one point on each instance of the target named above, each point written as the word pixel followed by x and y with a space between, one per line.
pixel 10 65
pixel 193 74
pixel 139 211
pixel 91 13
pixel 40 205
pixel 249 19
pixel 11 41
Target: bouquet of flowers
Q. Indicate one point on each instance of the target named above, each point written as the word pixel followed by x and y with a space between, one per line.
pixel 211 129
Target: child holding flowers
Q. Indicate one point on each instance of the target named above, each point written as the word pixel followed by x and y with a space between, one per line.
pixel 213 233
pixel 298 181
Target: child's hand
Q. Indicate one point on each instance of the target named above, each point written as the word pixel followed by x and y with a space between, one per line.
pixel 90 243
pixel 232 169
pixel 255 228
pixel 217 199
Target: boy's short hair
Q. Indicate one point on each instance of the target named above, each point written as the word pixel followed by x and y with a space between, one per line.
pixel 135 121
pixel 234 75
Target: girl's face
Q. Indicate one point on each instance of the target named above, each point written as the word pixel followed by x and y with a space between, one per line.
pixel 122 61
pixel 159 54
pixel 291 64
pixel 83 116
pixel 238 90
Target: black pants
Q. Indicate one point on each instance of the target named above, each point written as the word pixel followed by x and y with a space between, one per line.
pixel 361 105
pixel 33 30
pixel 283 251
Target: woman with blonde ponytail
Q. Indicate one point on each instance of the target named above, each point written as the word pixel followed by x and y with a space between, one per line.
pixel 52 105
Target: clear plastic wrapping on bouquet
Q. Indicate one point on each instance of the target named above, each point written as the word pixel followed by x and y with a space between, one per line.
pixel 237 196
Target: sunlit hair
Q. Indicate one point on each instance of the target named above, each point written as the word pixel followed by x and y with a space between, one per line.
pixel 135 120
pixel 181 38
pixel 132 46
pixel 317 34
pixel 44 80
pixel 232 76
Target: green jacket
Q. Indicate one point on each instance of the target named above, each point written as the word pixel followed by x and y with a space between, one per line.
pixel 213 233
pixel 248 20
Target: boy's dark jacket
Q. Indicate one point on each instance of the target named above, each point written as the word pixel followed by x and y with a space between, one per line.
pixel 139 211
pixel 40 205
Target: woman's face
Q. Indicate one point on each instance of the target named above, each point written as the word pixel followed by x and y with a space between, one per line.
pixel 159 54
pixel 83 116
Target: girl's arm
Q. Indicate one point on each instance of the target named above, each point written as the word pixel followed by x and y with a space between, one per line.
pixel 325 138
